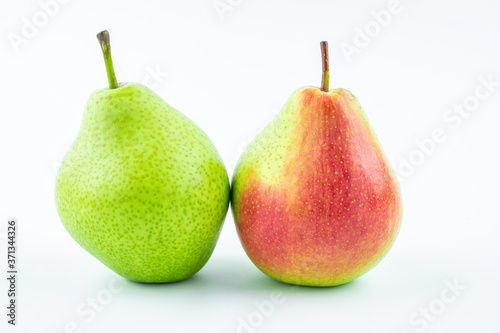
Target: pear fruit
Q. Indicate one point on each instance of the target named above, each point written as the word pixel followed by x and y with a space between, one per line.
pixel 142 188
pixel 314 199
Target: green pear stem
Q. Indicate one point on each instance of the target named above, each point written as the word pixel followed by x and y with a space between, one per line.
pixel 103 38
pixel 325 79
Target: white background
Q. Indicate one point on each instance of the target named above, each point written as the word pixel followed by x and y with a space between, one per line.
pixel 230 74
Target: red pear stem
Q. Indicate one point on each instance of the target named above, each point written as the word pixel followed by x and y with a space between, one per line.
pixel 325 79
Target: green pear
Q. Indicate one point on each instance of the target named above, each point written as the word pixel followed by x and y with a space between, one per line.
pixel 142 188
pixel 314 199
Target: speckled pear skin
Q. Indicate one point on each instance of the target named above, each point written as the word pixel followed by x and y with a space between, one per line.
pixel 313 197
pixel 142 188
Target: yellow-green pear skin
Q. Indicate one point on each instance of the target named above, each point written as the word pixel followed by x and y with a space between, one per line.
pixel 142 188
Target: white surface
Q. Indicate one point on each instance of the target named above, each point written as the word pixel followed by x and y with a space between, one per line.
pixel 231 76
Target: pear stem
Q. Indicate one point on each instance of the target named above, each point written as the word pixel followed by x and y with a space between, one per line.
pixel 103 38
pixel 325 79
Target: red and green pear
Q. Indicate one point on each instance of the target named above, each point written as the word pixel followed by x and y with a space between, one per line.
pixel 314 199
